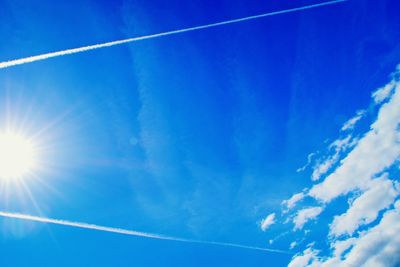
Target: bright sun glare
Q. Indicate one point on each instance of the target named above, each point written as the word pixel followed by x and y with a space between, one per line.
pixel 17 156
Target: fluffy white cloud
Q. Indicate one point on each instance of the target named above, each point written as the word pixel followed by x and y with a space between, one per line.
pixel 378 246
pixel 303 259
pixel 376 150
pixel 338 146
pixel 356 163
pixel 341 246
pixel 322 167
pixel 305 215
pixel 267 221
pixel 291 202
pixel 365 208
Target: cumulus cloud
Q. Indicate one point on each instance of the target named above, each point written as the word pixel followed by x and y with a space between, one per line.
pixel 267 221
pixel 341 246
pixel 375 151
pixel 305 215
pixel 322 167
pixel 366 234
pixel 378 246
pixel 291 202
pixel 338 146
pixel 365 208
pixel 303 259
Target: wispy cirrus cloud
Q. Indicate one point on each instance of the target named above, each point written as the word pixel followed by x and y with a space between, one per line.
pixel 349 125
pixel 309 160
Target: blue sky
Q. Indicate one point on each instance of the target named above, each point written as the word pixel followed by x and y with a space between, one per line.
pixel 197 135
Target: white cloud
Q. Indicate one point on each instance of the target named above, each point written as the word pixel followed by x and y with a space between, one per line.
pixel 349 125
pixel 303 259
pixel 309 159
pixel 342 144
pixel 341 246
pixel 339 146
pixel 378 246
pixel 376 150
pixel 321 168
pixel 374 153
pixel 305 215
pixel 291 202
pixel 365 208
pixel 293 245
pixel 267 221
pixel 383 93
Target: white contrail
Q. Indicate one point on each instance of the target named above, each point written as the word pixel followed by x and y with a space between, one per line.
pixel 20 61
pixel 128 232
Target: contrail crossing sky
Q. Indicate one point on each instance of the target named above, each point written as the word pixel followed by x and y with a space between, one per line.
pixel 10 63
pixel 129 232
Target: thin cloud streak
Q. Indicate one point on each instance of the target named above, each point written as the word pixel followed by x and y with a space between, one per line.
pixel 128 232
pixel 30 59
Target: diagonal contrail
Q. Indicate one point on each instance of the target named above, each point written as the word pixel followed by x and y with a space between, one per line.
pixel 129 232
pixel 20 61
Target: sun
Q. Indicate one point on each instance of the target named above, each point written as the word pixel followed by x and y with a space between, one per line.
pixel 18 156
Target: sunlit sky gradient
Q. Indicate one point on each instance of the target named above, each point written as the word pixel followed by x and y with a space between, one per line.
pixel 197 135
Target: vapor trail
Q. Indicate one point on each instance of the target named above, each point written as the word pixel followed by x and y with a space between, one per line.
pixel 128 232
pixel 20 61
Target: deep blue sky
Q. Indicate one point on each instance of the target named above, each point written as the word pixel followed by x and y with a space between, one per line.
pixel 196 135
